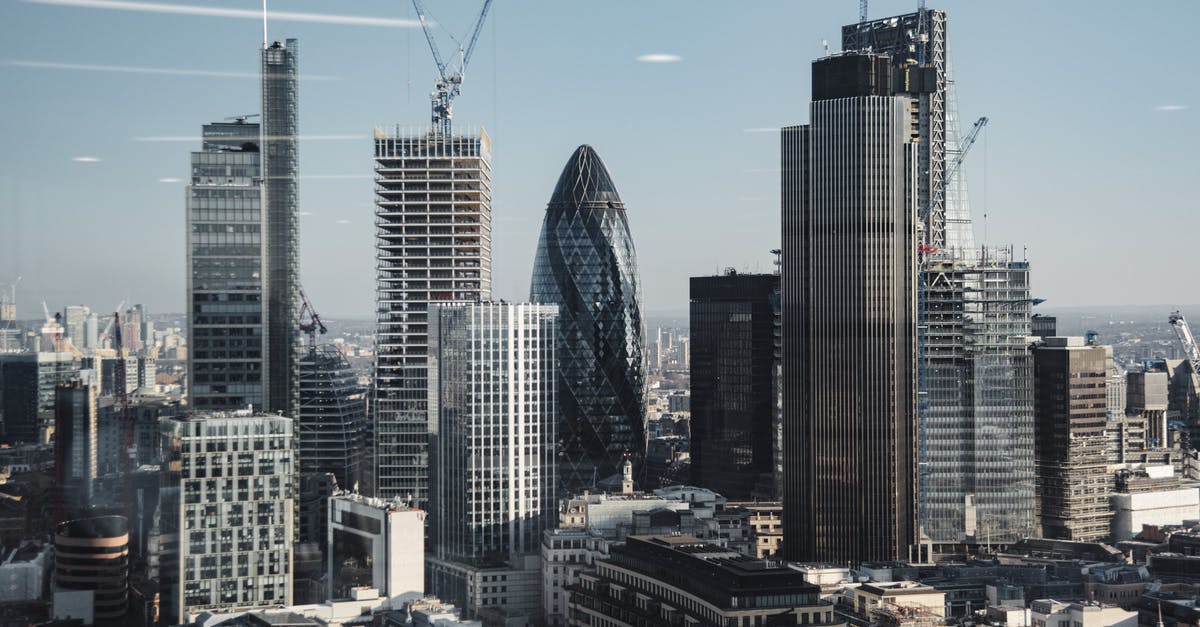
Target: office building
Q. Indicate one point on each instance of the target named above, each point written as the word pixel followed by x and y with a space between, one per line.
pixel 76 449
pixel 669 580
pixel 849 273
pixel 91 332
pixel 376 544
pixel 1073 484
pixel 243 256
pixel 733 367
pixel 281 242
pixel 585 262
pixel 492 390
pixel 27 384
pixel 976 429
pixel 229 496
pixel 333 427
pixel 74 324
pixel 1148 396
pixel 433 198
pixel 227 336
pixel 91 570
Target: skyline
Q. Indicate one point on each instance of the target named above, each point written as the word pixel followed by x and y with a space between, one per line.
pixel 1106 152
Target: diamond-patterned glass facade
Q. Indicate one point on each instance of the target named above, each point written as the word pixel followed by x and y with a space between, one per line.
pixel 586 264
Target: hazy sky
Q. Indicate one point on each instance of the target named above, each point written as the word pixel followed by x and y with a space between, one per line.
pixel 1089 162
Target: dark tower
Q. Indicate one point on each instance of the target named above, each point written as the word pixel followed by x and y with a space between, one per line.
pixel 586 264
pixel 849 319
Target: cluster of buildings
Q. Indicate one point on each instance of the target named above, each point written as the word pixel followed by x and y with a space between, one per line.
pixel 880 432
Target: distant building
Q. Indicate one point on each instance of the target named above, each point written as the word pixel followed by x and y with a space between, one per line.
pixel 1148 396
pixel 1152 496
pixel 492 391
pixel 1051 613
pixel 333 428
pixel 91 569
pixel 76 449
pixel 667 580
pixel 1073 484
pixel 27 384
pixel 228 501
pixel 75 324
pixel 732 382
pixel 375 544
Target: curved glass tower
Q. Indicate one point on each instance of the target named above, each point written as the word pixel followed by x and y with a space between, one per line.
pixel 586 264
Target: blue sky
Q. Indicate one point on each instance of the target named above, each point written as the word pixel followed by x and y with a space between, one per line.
pixel 1088 162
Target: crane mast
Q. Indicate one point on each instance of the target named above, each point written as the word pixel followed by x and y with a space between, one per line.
pixel 450 77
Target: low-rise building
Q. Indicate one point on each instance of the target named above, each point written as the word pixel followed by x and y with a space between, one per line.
pixel 667 580
pixel 375 544
pixel 1051 613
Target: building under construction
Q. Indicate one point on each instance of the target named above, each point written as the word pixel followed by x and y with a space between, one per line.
pixel 977 427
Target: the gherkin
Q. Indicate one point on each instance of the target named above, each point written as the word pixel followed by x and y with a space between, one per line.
pixel 586 264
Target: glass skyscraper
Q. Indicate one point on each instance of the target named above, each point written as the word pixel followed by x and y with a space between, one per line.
pixel 226 268
pixel 733 365
pixel 333 427
pixel 281 165
pixel 585 262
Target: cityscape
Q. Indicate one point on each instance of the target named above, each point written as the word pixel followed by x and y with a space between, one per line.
pixel 870 411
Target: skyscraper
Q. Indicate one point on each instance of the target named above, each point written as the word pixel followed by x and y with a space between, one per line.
pixel 74 321
pixel 333 426
pixel 227 271
pixel 76 453
pixel 1073 483
pixel 585 262
pixel 849 317
pixel 433 241
pixel 281 175
pixel 27 392
pixel 732 334
pixel 492 389
pixel 976 429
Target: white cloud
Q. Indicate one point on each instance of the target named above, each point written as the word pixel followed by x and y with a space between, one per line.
pixel 206 11
pixel 86 159
pixel 1171 107
pixel 660 58
pixel 130 69
pixel 761 129
pixel 196 138
pixel 343 222
pixel 169 180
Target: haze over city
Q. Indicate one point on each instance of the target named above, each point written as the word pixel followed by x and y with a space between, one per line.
pixel 1085 164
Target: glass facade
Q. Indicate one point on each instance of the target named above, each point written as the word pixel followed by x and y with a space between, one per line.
pixel 281 163
pixel 226 283
pixel 585 263
pixel 333 420
pixel 492 390
pixel 976 426
pixel 732 334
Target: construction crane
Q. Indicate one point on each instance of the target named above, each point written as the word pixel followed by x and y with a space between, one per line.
pixel 450 77
pixel 104 334
pixel 1188 342
pixel 963 149
pixel 314 324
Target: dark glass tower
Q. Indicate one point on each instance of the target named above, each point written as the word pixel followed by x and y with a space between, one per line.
pixel 586 264
pixel 849 280
pixel 281 167
pixel 733 377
